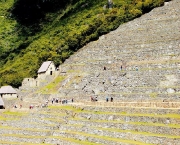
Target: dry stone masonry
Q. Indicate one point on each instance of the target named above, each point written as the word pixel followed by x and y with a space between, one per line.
pixel 81 124
pixel 137 62
pixel 138 65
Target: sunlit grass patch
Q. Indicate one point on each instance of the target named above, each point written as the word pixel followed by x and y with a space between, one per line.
pixel 52 87
pixel 15 113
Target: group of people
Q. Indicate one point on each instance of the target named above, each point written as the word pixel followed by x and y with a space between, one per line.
pixel 107 99
pixel 121 68
pixel 16 106
pixel 63 101
pixel 94 99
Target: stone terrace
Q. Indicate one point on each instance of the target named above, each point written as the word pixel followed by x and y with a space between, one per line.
pixel 146 91
pixel 79 124
pixel 147 48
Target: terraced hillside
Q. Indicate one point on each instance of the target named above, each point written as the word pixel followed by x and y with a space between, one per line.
pixel 88 125
pixel 137 62
pixel 35 31
pixel 145 89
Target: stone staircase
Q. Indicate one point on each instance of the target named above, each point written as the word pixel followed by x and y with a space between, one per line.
pixel 81 124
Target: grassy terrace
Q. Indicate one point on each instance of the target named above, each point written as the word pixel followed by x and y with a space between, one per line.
pixel 131 131
pixel 68 133
pixel 85 142
pixel 27 129
pixel 52 87
pixel 52 137
pixel 79 110
pixel 21 143
pixel 15 113
pixel 53 116
pixel 109 138
pixel 11 115
pixel 85 134
pixel 140 133
pixel 131 123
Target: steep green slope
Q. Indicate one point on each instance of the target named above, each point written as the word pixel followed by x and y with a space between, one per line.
pixel 56 30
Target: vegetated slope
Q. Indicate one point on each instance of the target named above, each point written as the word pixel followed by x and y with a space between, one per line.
pixel 34 31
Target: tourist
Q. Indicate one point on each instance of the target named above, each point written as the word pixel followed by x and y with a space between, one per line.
pixel 91 98
pixel 57 100
pixel 136 68
pixel 107 99
pixel 111 99
pixel 96 99
pixel 121 67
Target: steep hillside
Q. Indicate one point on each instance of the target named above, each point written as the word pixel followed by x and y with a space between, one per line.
pixel 139 61
pixel 31 31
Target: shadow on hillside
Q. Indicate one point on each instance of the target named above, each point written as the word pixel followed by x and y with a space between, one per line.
pixel 28 12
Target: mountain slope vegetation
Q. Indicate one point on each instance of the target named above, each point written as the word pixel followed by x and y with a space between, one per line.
pixel 34 31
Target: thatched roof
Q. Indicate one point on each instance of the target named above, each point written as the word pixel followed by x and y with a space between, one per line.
pixel 1 102
pixel 44 66
pixel 7 90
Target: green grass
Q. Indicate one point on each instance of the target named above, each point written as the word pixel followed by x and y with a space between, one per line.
pixel 52 87
pixel 130 122
pixel 28 129
pixel 21 143
pixel 23 136
pixel 15 113
pixel 79 110
pixel 56 137
pixel 78 141
pixel 139 132
pixel 81 142
pixel 129 131
pixel 3 118
pixel 54 114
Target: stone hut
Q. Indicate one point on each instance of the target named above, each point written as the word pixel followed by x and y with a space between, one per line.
pixel 47 68
pixel 1 103
pixel 8 92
